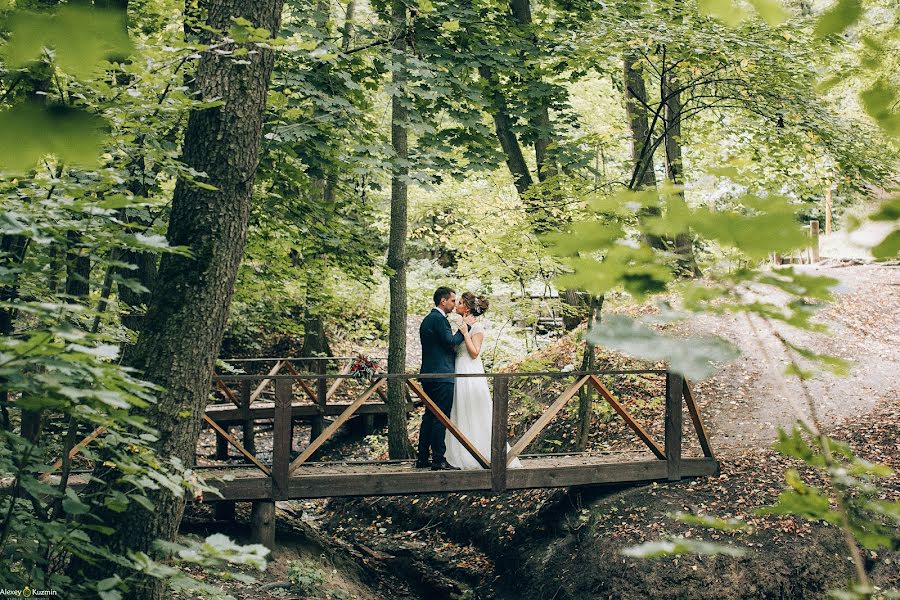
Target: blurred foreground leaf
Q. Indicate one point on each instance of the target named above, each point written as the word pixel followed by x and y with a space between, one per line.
pixel 29 131
pixel 693 357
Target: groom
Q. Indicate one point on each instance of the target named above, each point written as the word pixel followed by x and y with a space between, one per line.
pixel 438 356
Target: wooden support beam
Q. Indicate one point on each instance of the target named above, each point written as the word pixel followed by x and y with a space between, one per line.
pixel 73 452
pixel 248 431
pixel 262 384
pixel 694 411
pixel 229 393
pixel 281 439
pixel 339 382
pixel 674 394
pixel 626 416
pixel 535 473
pixel 383 396
pixel 499 424
pixel 306 388
pixel 236 444
pixel 224 511
pixel 318 423
pixel 335 425
pixel 221 447
pixel 446 422
pixel 544 420
pixel 262 523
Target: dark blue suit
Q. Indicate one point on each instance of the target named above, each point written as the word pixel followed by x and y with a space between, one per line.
pixel 438 356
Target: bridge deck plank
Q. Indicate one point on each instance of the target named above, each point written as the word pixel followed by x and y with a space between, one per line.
pixel 320 480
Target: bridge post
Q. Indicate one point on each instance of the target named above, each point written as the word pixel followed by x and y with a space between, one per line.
pixel 674 385
pixel 248 431
pixel 281 439
pixel 318 422
pixel 221 446
pixel 499 424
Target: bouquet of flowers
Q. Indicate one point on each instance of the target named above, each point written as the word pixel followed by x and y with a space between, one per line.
pixel 365 368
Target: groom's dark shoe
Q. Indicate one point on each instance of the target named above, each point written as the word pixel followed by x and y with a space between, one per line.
pixel 423 464
pixel 443 466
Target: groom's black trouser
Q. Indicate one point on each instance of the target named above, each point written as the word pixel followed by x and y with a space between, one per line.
pixel 432 432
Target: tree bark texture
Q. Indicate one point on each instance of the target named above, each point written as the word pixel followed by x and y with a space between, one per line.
pixel 639 128
pixel 546 168
pixel 398 440
pixel 636 102
pixel 509 143
pixel 186 315
pixel 674 167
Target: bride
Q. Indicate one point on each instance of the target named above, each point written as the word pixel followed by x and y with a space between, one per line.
pixel 472 405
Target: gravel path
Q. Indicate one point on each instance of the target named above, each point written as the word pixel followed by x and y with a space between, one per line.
pixel 749 399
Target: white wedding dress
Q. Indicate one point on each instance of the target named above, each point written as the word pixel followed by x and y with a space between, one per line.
pixel 472 410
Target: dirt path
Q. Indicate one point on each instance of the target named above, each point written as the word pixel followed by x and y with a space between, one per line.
pixel 750 398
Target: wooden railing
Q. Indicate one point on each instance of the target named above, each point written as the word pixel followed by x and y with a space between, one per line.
pixel 282 468
pixel 670 451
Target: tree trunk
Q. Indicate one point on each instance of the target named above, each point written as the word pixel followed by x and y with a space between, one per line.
pixel 509 143
pixel 674 168
pixel 186 316
pixel 347 33
pixel 135 301
pixel 636 102
pixel 546 168
pixel 12 253
pixel 639 128
pixel 398 440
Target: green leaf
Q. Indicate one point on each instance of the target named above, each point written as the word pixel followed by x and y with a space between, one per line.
pixel 81 37
pixel 838 18
pixel 29 131
pixel 888 211
pixel 725 11
pixel 695 357
pixel 73 505
pixel 880 101
pixel 889 247
pixel 679 546
pixel 713 522
pixel 772 11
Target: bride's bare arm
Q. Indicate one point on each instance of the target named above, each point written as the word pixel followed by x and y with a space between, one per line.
pixel 473 342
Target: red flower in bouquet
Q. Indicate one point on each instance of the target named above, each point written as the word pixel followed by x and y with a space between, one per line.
pixel 364 367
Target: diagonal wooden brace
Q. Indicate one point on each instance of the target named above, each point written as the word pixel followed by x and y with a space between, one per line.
pixel 626 416
pixel 236 444
pixel 446 422
pixel 306 388
pixel 694 411
pixel 544 420
pixel 262 384
pixel 229 393
pixel 75 450
pixel 329 431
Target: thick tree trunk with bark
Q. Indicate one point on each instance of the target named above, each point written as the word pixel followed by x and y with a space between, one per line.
pixel 636 103
pixel 398 440
pixel 638 125
pixel 509 143
pixel 546 168
pixel 187 311
pixel 683 246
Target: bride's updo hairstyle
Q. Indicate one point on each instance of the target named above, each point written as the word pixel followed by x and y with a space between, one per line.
pixel 477 304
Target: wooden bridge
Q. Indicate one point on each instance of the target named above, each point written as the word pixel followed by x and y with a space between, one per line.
pixel 303 477
pixel 286 477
